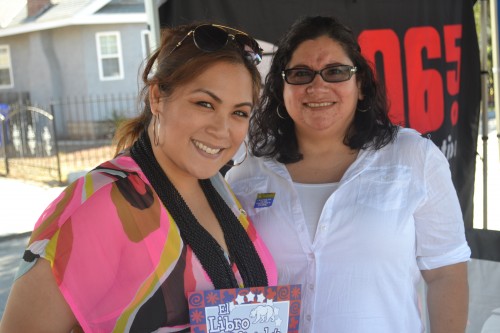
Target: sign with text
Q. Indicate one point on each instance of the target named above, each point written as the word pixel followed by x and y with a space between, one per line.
pixel 246 310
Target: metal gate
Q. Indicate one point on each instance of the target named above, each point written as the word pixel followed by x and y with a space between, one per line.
pixel 29 145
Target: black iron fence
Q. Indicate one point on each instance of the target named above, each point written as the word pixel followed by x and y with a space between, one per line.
pixel 70 135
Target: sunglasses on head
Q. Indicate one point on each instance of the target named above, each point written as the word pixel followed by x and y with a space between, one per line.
pixel 336 73
pixel 213 37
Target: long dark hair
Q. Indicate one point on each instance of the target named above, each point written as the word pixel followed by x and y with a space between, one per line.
pixel 272 136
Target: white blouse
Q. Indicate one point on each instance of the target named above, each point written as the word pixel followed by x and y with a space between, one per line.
pixel 394 213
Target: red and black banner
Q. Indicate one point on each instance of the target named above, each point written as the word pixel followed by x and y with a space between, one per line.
pixel 425 51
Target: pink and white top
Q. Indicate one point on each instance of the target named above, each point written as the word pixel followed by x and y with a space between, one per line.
pixel 117 254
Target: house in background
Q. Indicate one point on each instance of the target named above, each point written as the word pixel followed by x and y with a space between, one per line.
pixel 55 49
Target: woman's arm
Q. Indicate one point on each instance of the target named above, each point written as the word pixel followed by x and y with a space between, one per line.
pixel 447 298
pixel 35 304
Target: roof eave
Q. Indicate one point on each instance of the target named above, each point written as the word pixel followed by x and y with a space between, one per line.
pixel 77 20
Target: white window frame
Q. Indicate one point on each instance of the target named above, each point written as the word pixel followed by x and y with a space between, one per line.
pixel 145 42
pixel 9 67
pixel 118 55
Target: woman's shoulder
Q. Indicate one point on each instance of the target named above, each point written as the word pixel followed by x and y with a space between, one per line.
pixel 89 197
pixel 252 166
pixel 111 171
pixel 409 136
pixel 413 147
pixel 410 140
pixel 95 185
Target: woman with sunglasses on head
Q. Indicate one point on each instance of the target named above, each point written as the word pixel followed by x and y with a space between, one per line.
pixel 352 207
pixel 120 249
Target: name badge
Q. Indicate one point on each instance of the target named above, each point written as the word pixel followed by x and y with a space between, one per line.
pixel 264 200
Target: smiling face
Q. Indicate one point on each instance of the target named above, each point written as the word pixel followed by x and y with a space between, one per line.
pixel 321 108
pixel 203 123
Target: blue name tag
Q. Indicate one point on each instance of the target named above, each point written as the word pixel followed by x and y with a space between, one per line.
pixel 264 200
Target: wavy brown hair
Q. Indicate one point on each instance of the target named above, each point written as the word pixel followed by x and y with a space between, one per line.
pixel 173 69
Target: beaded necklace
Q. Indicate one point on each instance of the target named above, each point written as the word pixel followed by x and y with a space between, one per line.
pixel 205 247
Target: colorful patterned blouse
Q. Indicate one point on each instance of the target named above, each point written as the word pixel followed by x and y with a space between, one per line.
pixel 117 254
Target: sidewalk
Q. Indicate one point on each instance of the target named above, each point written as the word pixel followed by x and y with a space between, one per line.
pixel 21 203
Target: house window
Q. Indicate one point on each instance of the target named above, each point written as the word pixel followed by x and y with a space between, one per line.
pixel 5 68
pixel 109 56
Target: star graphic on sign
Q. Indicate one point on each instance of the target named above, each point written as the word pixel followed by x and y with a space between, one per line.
pixel 260 298
pixel 278 322
pixel 212 298
pixel 269 302
pixel 250 296
pixel 240 299
pixel 296 293
pixel 197 316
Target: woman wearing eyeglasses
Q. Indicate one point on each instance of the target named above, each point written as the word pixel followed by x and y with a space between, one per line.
pixel 352 207
pixel 122 246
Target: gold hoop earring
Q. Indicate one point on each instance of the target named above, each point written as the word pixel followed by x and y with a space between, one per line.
pixel 244 158
pixel 278 112
pixel 156 129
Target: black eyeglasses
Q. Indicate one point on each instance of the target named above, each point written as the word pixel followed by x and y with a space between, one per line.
pixel 213 37
pixel 337 73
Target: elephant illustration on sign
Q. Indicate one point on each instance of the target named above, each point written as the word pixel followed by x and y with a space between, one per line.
pixel 263 313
